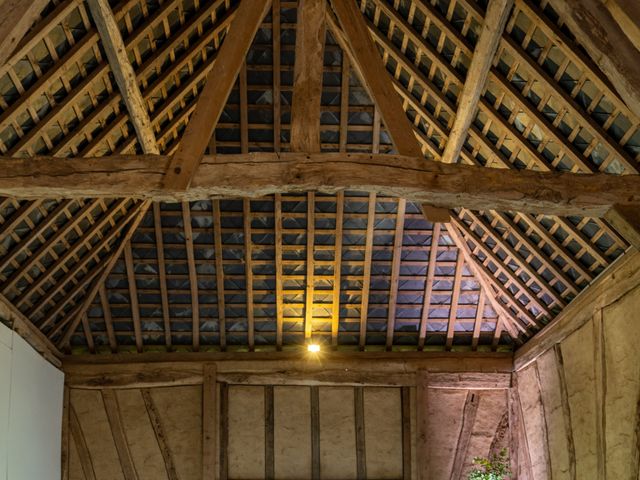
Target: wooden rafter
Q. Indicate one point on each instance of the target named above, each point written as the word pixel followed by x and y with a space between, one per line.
pixel 123 72
pixel 162 274
pixel 447 185
pixel 16 19
pixel 355 40
pixel 366 273
pixel 71 322
pixel 484 52
pixel 374 75
pixel 398 239
pixel 605 40
pixel 184 163
pixel 277 220
pixel 311 266
pixel 217 242
pixel 108 321
pixel 455 299
pixel 626 220
pixel 133 295
pixel 337 273
pixel 428 285
pixel 627 14
pixel 487 282
pixel 193 276
pixel 490 257
pixel 248 265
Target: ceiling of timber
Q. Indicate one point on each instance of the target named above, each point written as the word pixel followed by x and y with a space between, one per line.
pixel 350 270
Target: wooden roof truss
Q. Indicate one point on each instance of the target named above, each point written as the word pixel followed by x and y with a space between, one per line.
pixel 350 269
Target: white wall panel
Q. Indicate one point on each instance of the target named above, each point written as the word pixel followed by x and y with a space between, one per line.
pixel 30 429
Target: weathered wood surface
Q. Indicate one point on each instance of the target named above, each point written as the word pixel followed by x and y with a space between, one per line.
pixel 124 74
pixel 606 42
pixel 486 373
pixel 483 54
pixel 213 97
pixel 307 77
pixel 580 396
pixel 621 277
pixel 626 220
pixel 17 18
pixel 259 174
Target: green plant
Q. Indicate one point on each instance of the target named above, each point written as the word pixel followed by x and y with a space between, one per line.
pixel 494 468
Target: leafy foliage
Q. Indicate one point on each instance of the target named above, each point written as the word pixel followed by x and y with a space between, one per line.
pixel 494 468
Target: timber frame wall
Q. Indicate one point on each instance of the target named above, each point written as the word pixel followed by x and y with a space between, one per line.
pixel 579 383
pixel 459 386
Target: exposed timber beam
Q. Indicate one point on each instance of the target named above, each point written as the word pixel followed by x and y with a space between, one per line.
pixel 483 54
pixel 450 370
pixel 92 290
pixel 17 18
pixel 626 220
pixel 354 37
pixel 487 283
pixel 231 56
pixel 29 332
pixel 124 74
pixel 368 62
pixel 257 174
pixel 627 14
pixel 307 77
pixel 615 282
pixel 607 43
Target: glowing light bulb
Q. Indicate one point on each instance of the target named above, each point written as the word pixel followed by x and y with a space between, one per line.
pixel 313 348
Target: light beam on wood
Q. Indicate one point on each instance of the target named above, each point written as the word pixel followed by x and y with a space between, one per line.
pixel 231 56
pixel 483 54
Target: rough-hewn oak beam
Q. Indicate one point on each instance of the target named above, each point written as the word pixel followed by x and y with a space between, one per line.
pixel 355 39
pixel 627 14
pixel 451 370
pixel 626 220
pixel 377 80
pixel 258 174
pixel 617 280
pixel 307 77
pixel 599 33
pixel 16 19
pixel 184 163
pixel 483 54
pixel 123 72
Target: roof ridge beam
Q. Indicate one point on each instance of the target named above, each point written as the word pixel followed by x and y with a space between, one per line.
pixel 494 23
